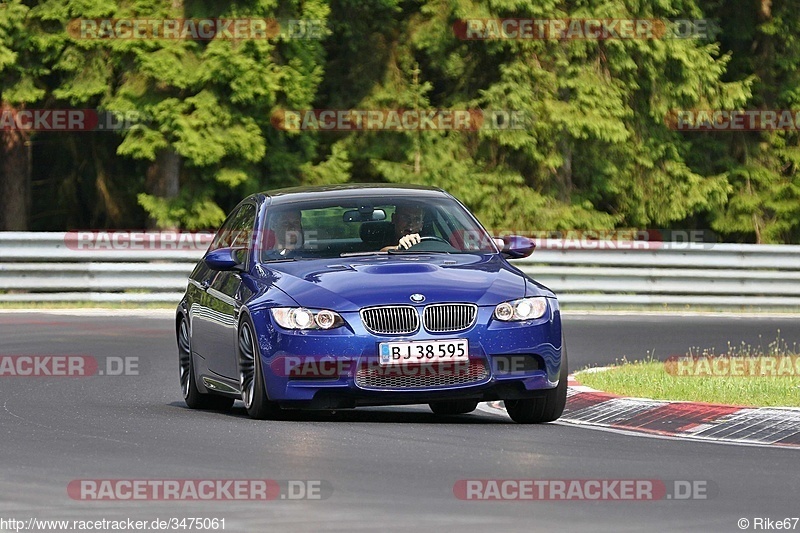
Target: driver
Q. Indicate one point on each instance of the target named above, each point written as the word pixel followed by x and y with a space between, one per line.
pixel 287 228
pixel 407 221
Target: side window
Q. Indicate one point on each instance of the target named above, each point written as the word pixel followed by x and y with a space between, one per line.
pixel 243 227
pixel 237 229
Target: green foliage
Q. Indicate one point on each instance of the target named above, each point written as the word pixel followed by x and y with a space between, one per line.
pixel 595 148
pixel 762 167
pixel 195 213
pixel 334 170
pixel 23 56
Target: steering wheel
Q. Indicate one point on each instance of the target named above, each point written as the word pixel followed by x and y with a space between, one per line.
pixel 430 238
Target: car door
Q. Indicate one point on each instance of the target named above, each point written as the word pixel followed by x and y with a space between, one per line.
pixel 215 327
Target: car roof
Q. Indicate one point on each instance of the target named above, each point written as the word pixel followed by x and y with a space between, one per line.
pixel 297 194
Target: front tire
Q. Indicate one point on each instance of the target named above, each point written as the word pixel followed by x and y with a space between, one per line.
pixel 251 377
pixel 453 407
pixel 191 394
pixel 547 408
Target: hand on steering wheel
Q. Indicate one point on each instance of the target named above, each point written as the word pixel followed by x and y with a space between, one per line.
pixel 408 241
pixel 417 239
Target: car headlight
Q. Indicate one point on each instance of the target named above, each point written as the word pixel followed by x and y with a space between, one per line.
pixel 302 318
pixel 524 309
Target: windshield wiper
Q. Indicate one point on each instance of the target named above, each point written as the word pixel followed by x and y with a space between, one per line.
pixel 356 254
pixel 408 252
pixel 280 260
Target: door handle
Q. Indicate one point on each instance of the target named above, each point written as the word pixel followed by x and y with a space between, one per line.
pixel 205 284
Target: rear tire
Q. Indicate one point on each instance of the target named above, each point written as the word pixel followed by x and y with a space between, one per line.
pixel 545 408
pixel 453 407
pixel 191 394
pixel 251 377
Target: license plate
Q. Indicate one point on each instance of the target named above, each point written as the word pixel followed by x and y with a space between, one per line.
pixel 399 353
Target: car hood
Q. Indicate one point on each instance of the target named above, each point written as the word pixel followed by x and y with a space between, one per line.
pixel 350 283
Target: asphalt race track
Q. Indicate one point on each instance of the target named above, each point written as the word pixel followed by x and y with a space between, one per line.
pixel 379 468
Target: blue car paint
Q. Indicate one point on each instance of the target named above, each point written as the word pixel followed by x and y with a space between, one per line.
pixel 347 284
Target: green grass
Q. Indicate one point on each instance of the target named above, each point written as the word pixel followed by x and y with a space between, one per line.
pixel 649 378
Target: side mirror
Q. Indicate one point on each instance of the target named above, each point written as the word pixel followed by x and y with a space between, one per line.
pixel 224 259
pixel 517 247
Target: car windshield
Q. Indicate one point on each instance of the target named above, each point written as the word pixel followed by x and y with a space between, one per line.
pixel 370 225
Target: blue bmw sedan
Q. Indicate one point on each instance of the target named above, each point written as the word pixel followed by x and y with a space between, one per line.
pixel 363 295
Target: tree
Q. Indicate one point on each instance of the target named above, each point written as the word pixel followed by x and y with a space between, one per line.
pixel 21 70
pixel 596 152
pixel 762 167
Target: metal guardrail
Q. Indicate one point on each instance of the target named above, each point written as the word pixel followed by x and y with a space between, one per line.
pixel 49 267
pixel 676 274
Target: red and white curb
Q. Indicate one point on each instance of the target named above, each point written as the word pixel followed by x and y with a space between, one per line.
pixel 765 426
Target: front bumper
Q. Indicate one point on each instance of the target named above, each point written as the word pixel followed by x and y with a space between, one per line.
pixel 326 369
